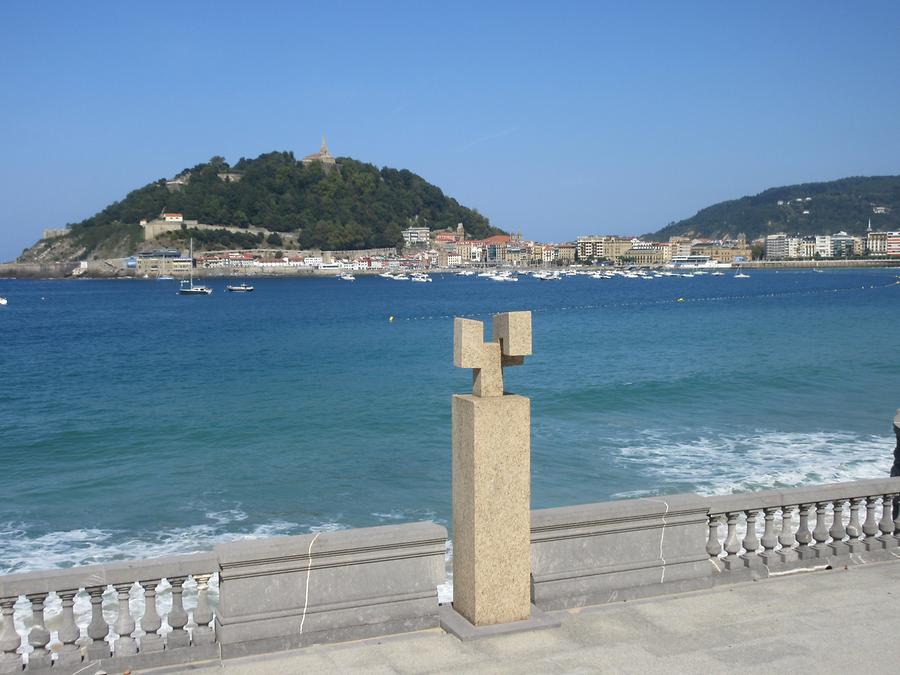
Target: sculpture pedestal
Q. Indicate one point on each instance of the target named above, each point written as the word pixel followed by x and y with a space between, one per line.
pixel 491 508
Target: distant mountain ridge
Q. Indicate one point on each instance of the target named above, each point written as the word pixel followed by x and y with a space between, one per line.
pixel 326 203
pixel 808 208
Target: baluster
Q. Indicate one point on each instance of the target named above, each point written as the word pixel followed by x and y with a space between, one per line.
pixel 804 536
pixel 151 622
pixel 786 538
pixel 713 546
pixel 837 531
pixel 896 522
pixel 10 661
pixel 732 543
pixel 870 527
pixel 887 520
pixel 203 634
pixel 124 626
pixel 820 532
pixel 853 528
pixel 751 540
pixel 38 636
pixel 769 538
pixel 69 653
pixel 177 617
pixel 97 629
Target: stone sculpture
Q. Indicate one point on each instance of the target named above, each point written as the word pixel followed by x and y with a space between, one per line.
pixel 491 475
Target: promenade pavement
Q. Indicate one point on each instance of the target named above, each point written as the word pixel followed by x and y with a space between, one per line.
pixel 831 621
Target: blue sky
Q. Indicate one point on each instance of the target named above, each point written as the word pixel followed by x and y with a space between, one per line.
pixel 554 119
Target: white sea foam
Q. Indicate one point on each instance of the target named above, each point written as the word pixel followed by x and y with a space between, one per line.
pixel 22 553
pixel 716 464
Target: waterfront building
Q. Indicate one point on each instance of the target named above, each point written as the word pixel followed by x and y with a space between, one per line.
pixel 892 244
pixel 681 246
pixel 842 245
pixel 566 253
pixel 162 266
pixel 807 247
pixel 646 253
pixel 601 247
pixel 777 246
pixel 726 251
pixel 824 248
pixel 413 236
pixel 876 243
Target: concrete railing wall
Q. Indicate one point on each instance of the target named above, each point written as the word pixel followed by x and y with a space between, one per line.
pixel 266 595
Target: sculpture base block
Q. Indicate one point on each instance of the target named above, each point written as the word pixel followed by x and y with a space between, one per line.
pixel 456 624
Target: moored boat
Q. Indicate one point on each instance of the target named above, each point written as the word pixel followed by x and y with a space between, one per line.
pixel 243 288
pixel 186 287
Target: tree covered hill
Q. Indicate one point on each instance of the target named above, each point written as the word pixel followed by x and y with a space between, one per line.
pixel 809 208
pixel 355 206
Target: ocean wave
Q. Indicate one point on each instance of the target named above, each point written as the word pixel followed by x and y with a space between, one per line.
pixel 21 552
pixel 717 464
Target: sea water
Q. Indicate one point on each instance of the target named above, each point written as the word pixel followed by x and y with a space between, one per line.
pixel 136 422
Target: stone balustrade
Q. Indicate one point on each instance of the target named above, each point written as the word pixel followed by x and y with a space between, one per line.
pixel 779 530
pixel 257 596
pixel 598 553
pixel 120 622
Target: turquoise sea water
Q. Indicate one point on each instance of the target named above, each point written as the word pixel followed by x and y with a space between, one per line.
pixel 136 422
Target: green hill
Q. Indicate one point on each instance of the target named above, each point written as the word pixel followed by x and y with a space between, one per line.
pixel 809 208
pixel 353 206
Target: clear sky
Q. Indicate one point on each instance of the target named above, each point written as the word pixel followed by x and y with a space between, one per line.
pixel 553 118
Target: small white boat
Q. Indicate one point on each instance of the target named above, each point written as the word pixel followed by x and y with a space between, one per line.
pixel 718 274
pixel 243 288
pixel 347 276
pixel 386 275
pixel 465 273
pixel 741 275
pixel 3 301
pixel 187 285
pixel 421 277
pixel 547 276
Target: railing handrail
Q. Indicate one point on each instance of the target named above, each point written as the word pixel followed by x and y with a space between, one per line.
pixel 123 572
pixel 813 494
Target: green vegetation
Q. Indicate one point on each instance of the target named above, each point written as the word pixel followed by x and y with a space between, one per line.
pixel 213 240
pixel 845 204
pixel 355 206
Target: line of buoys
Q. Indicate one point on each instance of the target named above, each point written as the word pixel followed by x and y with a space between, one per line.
pixel 646 303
